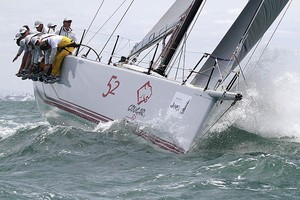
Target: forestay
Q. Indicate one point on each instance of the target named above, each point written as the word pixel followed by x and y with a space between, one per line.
pixel 249 27
pixel 165 25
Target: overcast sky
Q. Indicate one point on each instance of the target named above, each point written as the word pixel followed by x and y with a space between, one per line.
pixel 142 16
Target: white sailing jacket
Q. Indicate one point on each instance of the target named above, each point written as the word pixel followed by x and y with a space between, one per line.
pixel 68 33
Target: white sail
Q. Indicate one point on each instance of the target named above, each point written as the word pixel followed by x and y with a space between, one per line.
pixel 249 27
pixel 165 25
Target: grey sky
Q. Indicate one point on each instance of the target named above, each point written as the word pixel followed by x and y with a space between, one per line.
pixel 143 15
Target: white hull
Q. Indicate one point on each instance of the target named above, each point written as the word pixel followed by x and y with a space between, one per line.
pixel 169 114
pixel 96 92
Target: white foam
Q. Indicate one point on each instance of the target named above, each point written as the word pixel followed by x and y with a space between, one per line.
pixel 105 126
pixel 9 127
pixel 271 103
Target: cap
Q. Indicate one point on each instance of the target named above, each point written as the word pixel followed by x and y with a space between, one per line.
pixel 67 19
pixel 27 27
pixel 51 25
pixel 18 35
pixel 37 23
pixel 23 30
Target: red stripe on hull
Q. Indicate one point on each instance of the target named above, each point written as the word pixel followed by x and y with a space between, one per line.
pixel 96 118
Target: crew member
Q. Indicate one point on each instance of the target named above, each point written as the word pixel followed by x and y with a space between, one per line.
pixel 66 29
pixel 51 27
pixel 56 48
pixel 23 69
pixel 40 27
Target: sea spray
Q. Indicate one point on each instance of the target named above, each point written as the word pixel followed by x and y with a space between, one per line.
pixel 270 105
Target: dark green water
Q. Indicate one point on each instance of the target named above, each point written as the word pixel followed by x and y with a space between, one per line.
pixel 38 161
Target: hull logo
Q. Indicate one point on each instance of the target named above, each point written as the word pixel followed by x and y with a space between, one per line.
pixel 144 93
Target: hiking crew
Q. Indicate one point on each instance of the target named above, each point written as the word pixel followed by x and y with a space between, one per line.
pixel 26 59
pixel 56 48
pixel 44 50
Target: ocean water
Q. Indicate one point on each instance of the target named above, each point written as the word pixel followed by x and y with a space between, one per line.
pixel 39 161
pixel 253 152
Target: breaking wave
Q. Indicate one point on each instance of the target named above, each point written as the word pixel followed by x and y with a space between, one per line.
pixel 270 106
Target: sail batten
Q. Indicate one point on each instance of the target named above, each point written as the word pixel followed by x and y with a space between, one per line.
pixel 165 26
pixel 249 27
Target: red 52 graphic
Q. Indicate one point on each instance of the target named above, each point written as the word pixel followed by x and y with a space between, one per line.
pixel 112 84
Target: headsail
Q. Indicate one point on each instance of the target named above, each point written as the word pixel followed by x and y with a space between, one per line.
pixel 249 27
pixel 165 25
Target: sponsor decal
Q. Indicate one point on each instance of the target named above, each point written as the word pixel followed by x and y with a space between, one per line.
pixel 144 93
pixel 136 111
pixel 179 104
pixel 139 111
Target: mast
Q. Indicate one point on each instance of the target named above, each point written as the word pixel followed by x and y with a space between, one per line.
pixel 177 37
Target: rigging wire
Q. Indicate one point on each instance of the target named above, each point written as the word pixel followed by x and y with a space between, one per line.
pixel 106 21
pixel 141 60
pixel 184 62
pixel 196 19
pixel 255 49
pixel 187 34
pixel 241 70
pixel 264 50
pixel 93 19
pixel 200 138
pixel 219 70
pixel 243 39
pixel 178 65
pixel 121 46
pixel 117 26
pixel 181 55
pixel 233 103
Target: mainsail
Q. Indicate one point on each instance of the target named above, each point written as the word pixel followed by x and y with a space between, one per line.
pixel 164 26
pixel 176 38
pixel 249 27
